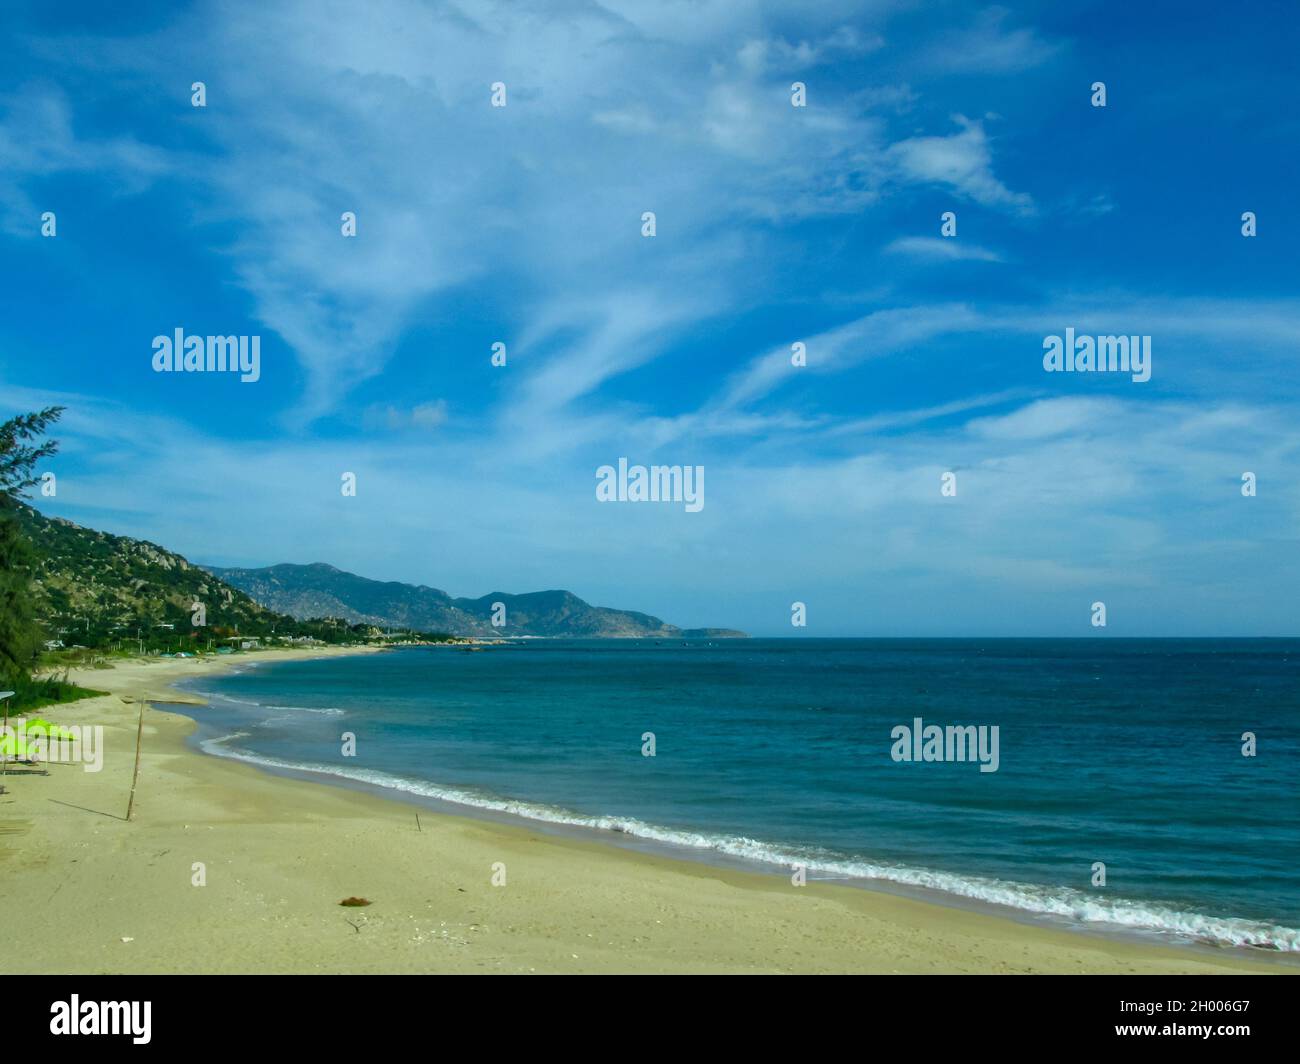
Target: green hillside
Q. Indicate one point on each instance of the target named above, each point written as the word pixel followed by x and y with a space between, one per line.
pixel 97 590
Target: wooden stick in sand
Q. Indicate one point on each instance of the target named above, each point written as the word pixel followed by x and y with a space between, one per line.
pixel 139 735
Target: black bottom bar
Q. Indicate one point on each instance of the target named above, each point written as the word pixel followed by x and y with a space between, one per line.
pixel 375 1014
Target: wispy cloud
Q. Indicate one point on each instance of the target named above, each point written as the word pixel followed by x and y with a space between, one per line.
pixel 38 141
pixel 988 45
pixel 322 109
pixel 940 249
pixel 962 162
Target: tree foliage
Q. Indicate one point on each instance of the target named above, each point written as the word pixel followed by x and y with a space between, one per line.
pixel 19 452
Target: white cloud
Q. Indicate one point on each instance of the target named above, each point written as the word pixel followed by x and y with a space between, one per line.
pixel 875 335
pixel 962 162
pixel 38 141
pixel 988 46
pixel 941 249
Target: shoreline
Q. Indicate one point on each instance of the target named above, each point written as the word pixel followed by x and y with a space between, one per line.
pixel 406 792
pixel 278 852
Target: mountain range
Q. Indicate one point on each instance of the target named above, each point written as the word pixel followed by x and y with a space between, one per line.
pixel 321 590
pixel 88 584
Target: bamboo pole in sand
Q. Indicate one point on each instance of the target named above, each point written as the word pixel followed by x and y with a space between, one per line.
pixel 139 735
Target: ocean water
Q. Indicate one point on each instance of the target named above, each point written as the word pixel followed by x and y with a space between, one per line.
pixel 1126 752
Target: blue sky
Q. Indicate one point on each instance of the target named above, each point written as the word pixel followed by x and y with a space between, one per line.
pixel 775 225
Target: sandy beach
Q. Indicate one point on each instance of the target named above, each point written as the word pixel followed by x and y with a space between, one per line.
pixel 99 894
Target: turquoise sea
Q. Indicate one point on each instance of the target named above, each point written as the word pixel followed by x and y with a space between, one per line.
pixel 777 752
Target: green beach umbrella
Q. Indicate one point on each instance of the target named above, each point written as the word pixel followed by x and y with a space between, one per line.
pixel 52 731
pixel 4 697
pixel 14 748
